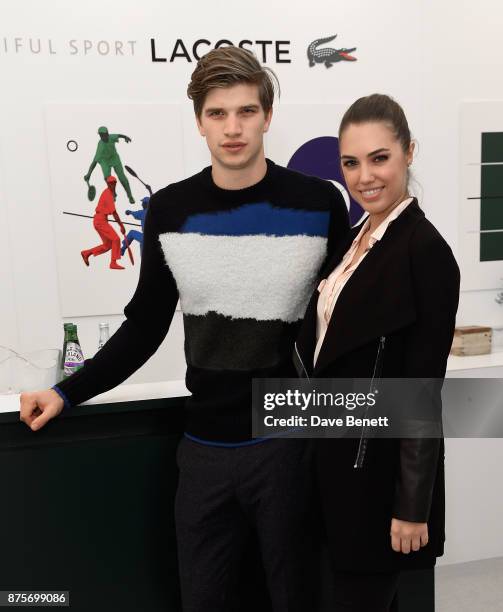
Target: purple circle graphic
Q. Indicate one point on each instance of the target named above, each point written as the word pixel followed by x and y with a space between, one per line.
pixel 320 157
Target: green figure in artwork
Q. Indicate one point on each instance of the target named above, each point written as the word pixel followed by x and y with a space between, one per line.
pixel 107 157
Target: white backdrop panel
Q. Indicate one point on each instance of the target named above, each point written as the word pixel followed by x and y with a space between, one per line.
pixel 476 118
pixel 154 153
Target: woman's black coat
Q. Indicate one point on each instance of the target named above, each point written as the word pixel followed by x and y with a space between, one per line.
pixel 406 290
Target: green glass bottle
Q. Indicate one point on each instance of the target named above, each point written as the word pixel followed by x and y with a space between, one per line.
pixel 73 358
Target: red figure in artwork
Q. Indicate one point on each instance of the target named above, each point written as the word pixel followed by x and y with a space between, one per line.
pixel 106 206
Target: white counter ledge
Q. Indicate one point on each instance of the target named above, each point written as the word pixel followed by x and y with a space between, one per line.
pixel 177 388
pixel 492 360
pixel 122 393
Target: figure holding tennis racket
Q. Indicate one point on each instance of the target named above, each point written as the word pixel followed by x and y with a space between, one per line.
pixel 111 241
pixel 108 158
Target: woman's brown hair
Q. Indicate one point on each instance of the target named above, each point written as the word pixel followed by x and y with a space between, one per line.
pixel 379 108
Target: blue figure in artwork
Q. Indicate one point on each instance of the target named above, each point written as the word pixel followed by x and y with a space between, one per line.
pixel 135 234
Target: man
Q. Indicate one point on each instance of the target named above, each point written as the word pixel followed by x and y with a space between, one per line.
pixel 241 244
pixel 107 157
pixel 111 241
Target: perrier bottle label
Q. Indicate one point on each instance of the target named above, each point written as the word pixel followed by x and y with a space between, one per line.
pixel 73 358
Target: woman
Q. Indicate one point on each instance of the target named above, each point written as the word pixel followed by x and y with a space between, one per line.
pixel 385 306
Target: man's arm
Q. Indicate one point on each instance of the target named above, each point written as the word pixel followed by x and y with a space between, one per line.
pixel 126 138
pixel 148 317
pixel 339 219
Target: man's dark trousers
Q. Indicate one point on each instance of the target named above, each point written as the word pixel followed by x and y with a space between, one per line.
pixel 226 493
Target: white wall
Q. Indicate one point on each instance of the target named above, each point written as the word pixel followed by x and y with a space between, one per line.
pixel 474 497
pixel 473 500
pixel 429 55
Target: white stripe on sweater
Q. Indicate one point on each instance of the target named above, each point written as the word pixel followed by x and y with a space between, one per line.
pixel 260 277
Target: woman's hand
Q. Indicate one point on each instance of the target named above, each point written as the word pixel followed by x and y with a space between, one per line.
pixel 407 536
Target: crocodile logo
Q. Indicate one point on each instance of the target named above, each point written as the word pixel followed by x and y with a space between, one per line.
pixel 328 56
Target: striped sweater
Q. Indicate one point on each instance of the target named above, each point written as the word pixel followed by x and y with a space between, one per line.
pixel 243 264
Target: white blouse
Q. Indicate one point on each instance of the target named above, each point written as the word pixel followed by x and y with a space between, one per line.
pixel 330 288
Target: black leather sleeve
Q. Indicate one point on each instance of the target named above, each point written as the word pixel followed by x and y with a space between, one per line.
pixel 435 277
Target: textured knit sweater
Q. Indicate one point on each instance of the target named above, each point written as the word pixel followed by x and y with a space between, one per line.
pixel 243 264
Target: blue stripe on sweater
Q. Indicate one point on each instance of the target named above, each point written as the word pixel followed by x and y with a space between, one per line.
pixel 261 218
pixel 225 444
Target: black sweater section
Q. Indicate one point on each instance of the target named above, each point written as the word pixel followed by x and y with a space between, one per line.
pixel 243 263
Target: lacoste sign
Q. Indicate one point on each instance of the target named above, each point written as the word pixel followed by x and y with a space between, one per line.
pixel 168 51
